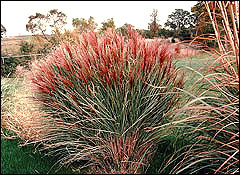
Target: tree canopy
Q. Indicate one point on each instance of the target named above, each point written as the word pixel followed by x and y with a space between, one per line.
pixel 56 19
pixel 83 25
pixel 203 22
pixel 37 24
pixel 202 19
pixel 107 24
pixel 40 23
pixel 181 21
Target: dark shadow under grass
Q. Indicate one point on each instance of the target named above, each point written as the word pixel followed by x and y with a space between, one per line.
pixel 165 149
pixel 22 160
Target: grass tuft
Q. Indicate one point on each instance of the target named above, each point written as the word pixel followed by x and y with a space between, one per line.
pixel 104 94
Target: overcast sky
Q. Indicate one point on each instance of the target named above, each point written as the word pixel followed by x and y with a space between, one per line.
pixel 14 14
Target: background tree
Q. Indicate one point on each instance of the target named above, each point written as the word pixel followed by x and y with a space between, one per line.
pixel 146 33
pixel 203 22
pixel 79 24
pixel 182 22
pixel 56 19
pixel 165 33
pixel 107 24
pixel 92 25
pixel 123 29
pixel 3 31
pixel 37 24
pixel 153 26
pixel 83 25
pixel 40 23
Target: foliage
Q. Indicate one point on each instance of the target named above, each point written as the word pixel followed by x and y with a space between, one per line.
pixel 123 30
pixel 3 31
pixel 166 33
pixel 26 49
pixel 180 21
pixel 56 19
pixel 146 33
pixel 41 45
pixel 9 64
pixel 104 95
pixel 166 146
pixel 203 24
pixel 80 23
pixel 204 27
pixel 83 25
pixel 202 20
pixel 154 28
pixel 107 24
pixel 8 67
pixel 37 24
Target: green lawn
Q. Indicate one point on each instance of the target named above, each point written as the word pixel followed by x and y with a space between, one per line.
pixel 198 63
pixel 22 160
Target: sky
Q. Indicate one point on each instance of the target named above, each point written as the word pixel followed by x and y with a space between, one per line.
pixel 14 14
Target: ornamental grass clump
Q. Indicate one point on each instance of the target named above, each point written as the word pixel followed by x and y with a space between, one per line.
pixel 104 95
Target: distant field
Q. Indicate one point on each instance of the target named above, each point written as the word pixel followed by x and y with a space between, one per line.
pixel 198 63
pixel 11 46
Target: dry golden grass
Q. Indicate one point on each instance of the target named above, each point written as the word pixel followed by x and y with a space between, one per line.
pixel 22 116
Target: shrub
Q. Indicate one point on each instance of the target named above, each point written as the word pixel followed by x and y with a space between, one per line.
pixel 26 48
pixel 8 67
pixel 105 94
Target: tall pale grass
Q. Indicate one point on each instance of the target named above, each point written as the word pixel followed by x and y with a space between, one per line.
pixel 19 113
pixel 212 114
